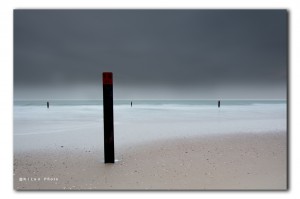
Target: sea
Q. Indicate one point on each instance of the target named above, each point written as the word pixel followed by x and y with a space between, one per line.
pixel 148 102
pixel 79 123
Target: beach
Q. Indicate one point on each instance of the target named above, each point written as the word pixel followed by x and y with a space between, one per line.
pixel 218 163
pixel 157 147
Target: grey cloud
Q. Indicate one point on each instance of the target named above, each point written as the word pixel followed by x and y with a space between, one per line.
pixel 173 49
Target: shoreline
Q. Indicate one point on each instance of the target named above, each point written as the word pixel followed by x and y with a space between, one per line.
pixel 226 162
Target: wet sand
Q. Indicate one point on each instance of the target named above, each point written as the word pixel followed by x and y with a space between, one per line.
pixel 241 161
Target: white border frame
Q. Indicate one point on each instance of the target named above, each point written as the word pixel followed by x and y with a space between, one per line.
pixel 6 86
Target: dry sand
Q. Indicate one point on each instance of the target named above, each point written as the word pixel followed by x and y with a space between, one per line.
pixel 227 162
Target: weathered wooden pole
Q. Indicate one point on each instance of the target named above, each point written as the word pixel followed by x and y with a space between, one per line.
pixel 108 115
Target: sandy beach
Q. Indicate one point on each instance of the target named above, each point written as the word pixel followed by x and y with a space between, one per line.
pixel 157 147
pixel 231 162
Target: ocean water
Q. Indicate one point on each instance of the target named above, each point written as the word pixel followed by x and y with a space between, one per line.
pixel 79 123
pixel 146 102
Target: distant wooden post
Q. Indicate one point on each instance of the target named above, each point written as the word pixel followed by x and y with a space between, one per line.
pixel 108 115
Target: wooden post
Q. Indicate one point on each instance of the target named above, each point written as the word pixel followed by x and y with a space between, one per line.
pixel 108 118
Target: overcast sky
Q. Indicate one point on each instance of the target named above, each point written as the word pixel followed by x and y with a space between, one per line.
pixel 153 54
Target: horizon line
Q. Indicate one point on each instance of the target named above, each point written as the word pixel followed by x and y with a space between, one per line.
pixel 150 99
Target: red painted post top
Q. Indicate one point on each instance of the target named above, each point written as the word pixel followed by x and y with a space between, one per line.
pixel 107 78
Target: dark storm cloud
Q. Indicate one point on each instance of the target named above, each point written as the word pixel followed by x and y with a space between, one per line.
pixel 174 49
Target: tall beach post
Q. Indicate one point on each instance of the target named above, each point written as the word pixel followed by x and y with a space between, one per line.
pixel 108 118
